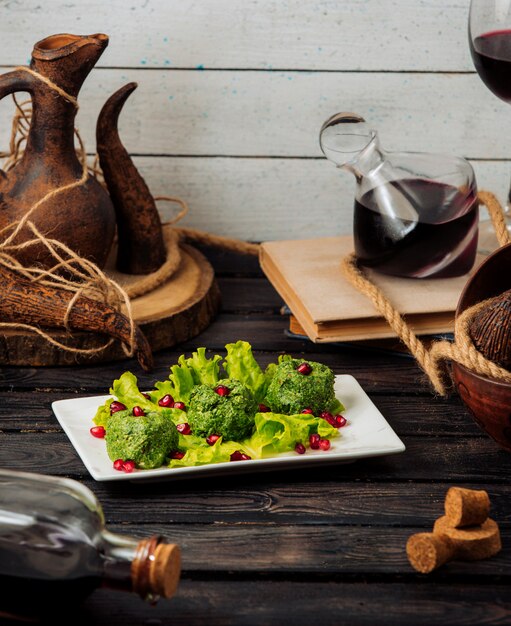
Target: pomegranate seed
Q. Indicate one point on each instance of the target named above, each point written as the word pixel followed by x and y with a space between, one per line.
pixel 177 454
pixel 325 414
pixel 236 456
pixel 184 428
pixel 328 417
pixel 212 439
pixel 314 441
pixel 264 409
pixel 166 401
pixel 324 444
pixel 98 431
pixel 307 411
pixel 341 421
pixel 180 405
pixel 245 457
pixel 116 406
pixel 146 396
pixel 128 466
pixel 222 390
pixel 118 463
pixel 304 368
pixel 138 412
pixel 300 448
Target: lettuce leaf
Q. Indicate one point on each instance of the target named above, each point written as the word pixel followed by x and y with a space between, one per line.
pixel 126 390
pixel 182 380
pixel 103 413
pixel 274 433
pixel 205 454
pixel 325 431
pixel 195 370
pixel 162 388
pixel 269 373
pixel 241 365
pixel 205 371
pixel 279 433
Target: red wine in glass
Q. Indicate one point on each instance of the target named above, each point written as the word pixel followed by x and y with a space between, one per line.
pixel 440 242
pixel 491 53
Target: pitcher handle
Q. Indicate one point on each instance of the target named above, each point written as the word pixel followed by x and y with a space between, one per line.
pixel 14 81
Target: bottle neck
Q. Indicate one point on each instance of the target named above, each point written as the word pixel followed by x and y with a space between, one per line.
pixel 149 567
pixel 118 554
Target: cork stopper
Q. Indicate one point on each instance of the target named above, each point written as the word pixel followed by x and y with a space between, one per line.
pixel 466 507
pixel 427 551
pixel 165 570
pixel 472 542
pixel 156 568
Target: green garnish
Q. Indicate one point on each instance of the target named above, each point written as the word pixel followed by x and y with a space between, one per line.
pixel 221 398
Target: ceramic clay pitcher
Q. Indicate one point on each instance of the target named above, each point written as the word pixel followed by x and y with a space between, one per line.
pixel 82 217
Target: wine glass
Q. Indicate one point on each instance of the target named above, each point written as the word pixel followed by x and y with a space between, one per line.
pixel 489 32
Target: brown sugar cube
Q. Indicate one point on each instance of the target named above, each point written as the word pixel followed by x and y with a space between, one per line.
pixel 473 542
pixel 466 507
pixel 427 551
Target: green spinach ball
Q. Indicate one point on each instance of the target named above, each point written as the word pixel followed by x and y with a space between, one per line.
pixel 227 409
pixel 299 385
pixel 147 440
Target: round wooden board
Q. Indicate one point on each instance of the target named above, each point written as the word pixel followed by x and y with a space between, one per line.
pixel 178 310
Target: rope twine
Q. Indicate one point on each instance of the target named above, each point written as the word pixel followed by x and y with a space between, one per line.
pixel 433 361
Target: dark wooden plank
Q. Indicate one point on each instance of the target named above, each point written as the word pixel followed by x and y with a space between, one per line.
pixel 380 375
pixel 376 372
pixel 226 263
pixel 252 500
pixel 256 603
pixel 350 550
pixel 255 295
pixel 447 459
pixel 381 371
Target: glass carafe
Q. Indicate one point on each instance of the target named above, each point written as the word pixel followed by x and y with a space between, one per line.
pixel 415 215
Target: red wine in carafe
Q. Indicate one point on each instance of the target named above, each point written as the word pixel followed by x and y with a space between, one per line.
pixel 417 228
pixel 491 54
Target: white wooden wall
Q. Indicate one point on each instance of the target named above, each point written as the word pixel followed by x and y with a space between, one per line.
pixel 232 94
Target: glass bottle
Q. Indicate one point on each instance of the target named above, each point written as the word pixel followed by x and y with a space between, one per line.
pixel 415 215
pixel 54 546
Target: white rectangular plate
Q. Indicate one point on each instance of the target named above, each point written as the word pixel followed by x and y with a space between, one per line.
pixel 367 434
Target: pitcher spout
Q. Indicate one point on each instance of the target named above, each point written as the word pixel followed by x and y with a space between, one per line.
pixel 67 59
pixel 64 44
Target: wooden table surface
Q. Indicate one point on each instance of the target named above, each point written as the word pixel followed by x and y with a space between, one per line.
pixel 321 546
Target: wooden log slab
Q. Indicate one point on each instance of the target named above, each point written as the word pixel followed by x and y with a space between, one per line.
pixel 175 312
